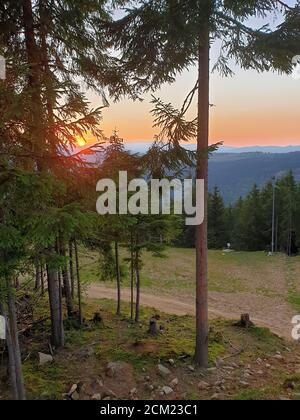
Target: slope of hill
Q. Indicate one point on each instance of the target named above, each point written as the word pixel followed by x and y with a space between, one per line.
pixel 143 146
pixel 235 174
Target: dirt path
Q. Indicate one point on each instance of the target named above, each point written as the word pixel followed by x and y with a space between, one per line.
pixel 266 315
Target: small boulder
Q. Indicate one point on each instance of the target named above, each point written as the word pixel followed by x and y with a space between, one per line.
pixel 203 386
pixel 244 384
pixel 133 392
pixel 44 359
pixel 174 383
pixel 149 387
pixel 96 397
pixel 268 366
pixel 163 371
pixel 75 396
pixel 112 369
pixel 72 390
pixel 216 397
pixel 109 394
pixel 167 390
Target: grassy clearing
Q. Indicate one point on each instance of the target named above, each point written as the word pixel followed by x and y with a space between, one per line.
pixel 228 272
pixel 293 283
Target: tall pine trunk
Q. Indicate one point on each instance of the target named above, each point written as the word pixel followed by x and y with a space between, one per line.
pixel 57 328
pixel 201 352
pixel 71 267
pixel 138 282
pixel 38 278
pixel 36 134
pixel 42 280
pixel 14 354
pixel 118 278
pixel 66 280
pixel 78 283
pixel 131 277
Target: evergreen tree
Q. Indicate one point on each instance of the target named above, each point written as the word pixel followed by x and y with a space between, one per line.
pixel 170 36
pixel 217 238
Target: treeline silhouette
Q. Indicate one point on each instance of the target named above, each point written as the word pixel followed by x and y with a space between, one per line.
pixel 247 224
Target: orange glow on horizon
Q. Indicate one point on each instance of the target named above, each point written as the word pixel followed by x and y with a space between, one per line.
pixel 81 142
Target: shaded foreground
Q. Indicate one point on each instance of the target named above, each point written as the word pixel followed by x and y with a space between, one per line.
pixel 252 364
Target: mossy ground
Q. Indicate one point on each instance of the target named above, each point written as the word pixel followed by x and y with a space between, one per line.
pixel 88 350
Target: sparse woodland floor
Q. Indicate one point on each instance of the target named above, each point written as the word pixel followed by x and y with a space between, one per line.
pixel 245 364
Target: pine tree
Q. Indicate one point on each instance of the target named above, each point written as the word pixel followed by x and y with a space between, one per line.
pixel 216 221
pixel 172 35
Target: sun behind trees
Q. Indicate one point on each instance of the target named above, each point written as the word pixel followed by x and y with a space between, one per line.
pixel 56 52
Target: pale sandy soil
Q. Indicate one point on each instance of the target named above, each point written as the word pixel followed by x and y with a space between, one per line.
pixel 266 288
pixel 270 312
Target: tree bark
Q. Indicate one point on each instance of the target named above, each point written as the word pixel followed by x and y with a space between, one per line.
pixel 42 280
pixel 36 131
pixel 118 278
pixel 132 277
pixel 58 338
pixel 138 283
pixel 245 321
pixel 47 78
pixel 153 330
pixel 38 279
pixel 13 327
pixel 78 283
pixel 71 264
pixel 201 352
pixel 66 281
pixel 14 354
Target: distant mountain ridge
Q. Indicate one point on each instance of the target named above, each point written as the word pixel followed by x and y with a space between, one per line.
pixel 261 149
pixel 143 146
pixel 236 173
pixel 236 169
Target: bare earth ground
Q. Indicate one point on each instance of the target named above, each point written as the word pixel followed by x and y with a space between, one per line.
pixel 266 287
pixel 272 313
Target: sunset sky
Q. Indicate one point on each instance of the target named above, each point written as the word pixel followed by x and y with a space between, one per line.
pixel 250 108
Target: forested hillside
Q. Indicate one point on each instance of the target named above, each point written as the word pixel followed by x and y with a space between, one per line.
pixel 235 174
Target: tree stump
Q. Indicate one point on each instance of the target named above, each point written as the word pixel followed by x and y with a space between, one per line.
pixel 245 322
pixel 97 318
pixel 153 327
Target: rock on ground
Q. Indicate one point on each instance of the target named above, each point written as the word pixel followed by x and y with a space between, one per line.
pixel 45 359
pixel 163 370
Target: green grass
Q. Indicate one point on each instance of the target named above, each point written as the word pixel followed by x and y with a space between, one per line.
pixel 249 395
pixel 228 272
pixel 44 382
pixel 292 279
pixel 294 299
